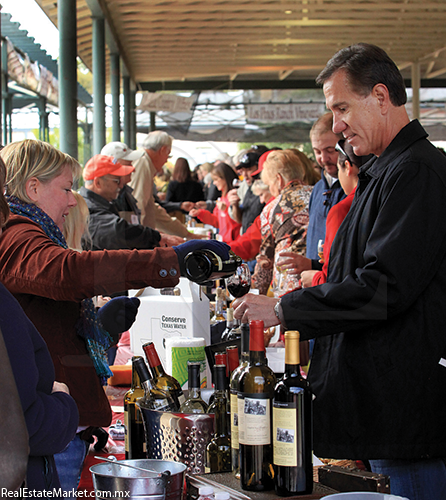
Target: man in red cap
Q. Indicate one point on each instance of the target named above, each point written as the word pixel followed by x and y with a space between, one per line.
pixel 104 178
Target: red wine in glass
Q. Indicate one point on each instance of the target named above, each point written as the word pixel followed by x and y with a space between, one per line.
pixel 239 283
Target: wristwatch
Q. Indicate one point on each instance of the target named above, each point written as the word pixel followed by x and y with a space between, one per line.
pixel 278 310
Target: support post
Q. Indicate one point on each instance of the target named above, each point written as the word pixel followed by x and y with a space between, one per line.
pixel 115 83
pixel 67 76
pixel 127 109
pixel 98 84
pixel 416 80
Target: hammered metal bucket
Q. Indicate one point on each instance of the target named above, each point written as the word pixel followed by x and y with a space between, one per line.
pixel 113 481
pixel 178 436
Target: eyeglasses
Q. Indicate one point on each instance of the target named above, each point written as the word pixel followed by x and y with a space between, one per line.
pixel 340 148
pixel 117 181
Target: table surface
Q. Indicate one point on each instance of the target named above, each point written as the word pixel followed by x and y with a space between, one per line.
pixel 116 448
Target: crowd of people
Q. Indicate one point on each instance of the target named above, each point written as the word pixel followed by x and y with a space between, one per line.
pixel 347 249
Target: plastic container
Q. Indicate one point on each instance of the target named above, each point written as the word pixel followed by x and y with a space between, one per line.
pixel 222 495
pixel 206 493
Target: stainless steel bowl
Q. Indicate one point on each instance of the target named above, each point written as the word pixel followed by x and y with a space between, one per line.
pixel 113 481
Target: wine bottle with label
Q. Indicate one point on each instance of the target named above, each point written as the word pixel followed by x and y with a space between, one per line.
pixel 154 399
pixel 161 380
pixel 254 416
pixel 292 426
pixel 204 265
pixel 220 359
pixel 234 386
pixel 218 451
pixel 194 403
pixel 135 443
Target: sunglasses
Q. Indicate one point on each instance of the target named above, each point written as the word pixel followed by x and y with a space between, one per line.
pixel 340 148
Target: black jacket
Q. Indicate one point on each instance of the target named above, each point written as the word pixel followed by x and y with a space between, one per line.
pixel 377 369
pixel 110 232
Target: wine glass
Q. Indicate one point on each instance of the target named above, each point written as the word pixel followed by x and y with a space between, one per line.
pixel 320 250
pixel 240 282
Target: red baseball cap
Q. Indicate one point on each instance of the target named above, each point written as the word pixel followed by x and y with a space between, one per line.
pixel 261 162
pixel 101 165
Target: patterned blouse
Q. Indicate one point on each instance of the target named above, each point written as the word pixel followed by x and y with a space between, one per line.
pixel 284 224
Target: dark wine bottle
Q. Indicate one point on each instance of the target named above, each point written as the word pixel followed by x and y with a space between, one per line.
pixel 218 451
pixel 254 414
pixel 154 399
pixel 229 324
pixel 292 426
pixel 161 380
pixel 135 443
pixel 204 265
pixel 234 386
pixel 194 403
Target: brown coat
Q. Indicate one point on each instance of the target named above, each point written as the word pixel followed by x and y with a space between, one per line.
pixel 50 282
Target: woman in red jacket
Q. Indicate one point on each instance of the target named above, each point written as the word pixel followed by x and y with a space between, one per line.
pixel 229 229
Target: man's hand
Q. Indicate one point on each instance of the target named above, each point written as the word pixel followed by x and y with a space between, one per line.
pixel 200 205
pixel 60 387
pixel 293 262
pixel 170 240
pixel 306 278
pixel 187 206
pixel 233 197
pixel 252 307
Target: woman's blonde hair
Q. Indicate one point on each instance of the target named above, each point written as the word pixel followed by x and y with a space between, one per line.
pixel 31 158
pixel 285 163
pixel 75 227
pixel 311 175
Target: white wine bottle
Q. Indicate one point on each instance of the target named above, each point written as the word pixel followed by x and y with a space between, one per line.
pixel 234 387
pixel 194 403
pixel 292 426
pixel 254 416
pixel 135 443
pixel 218 451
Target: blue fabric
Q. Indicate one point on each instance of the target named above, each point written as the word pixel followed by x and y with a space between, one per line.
pixel 414 479
pixel 218 247
pixel 51 417
pixel 89 327
pixel 322 199
pixel 69 463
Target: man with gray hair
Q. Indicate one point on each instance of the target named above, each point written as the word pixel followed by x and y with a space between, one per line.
pixel 157 148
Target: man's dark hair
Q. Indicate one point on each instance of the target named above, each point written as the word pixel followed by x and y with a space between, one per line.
pixel 367 65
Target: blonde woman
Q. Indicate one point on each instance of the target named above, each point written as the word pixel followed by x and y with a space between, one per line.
pixel 75 228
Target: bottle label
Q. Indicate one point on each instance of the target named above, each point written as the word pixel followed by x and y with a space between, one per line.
pixel 254 414
pixel 285 434
pixel 234 421
pixel 126 425
pixel 181 398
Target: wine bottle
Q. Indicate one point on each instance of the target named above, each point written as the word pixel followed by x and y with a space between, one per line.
pixel 154 399
pixel 234 387
pixel 220 359
pixel 219 306
pixel 204 265
pixel 232 359
pixel 194 403
pixel 254 413
pixel 218 451
pixel 229 324
pixel 135 443
pixel 161 380
pixel 292 426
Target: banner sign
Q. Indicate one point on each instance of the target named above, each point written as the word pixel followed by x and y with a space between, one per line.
pixel 291 112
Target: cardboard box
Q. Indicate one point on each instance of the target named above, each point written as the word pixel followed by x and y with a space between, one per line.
pixel 163 316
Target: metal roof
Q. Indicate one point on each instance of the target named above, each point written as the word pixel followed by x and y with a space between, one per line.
pixel 28 45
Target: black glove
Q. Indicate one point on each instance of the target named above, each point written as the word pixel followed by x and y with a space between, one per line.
pixel 218 247
pixel 118 315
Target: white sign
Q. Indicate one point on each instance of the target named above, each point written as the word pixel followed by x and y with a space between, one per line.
pixel 153 101
pixel 292 112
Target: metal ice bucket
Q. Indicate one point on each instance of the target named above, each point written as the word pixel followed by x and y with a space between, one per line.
pixel 112 481
pixel 178 436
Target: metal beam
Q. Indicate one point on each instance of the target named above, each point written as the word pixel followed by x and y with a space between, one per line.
pixel 227 84
pixel 66 12
pixel 127 109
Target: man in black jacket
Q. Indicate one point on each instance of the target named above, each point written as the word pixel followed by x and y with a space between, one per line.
pixel 103 178
pixel 378 370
